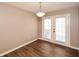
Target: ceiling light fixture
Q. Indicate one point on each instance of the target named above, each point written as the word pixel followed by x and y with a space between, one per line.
pixel 40 13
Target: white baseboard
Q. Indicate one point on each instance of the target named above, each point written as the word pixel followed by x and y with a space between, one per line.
pixel 61 44
pixel 17 47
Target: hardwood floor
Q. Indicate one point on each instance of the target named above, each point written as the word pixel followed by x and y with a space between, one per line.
pixel 42 48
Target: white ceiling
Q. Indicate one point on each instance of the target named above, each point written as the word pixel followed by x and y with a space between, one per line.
pixel 46 6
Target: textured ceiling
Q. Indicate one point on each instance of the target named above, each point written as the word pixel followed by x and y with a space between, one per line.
pixel 46 6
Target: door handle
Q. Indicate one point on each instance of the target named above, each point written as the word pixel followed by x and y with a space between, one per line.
pixel 53 30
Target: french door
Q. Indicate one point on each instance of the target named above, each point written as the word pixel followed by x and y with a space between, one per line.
pixel 61 29
pixel 46 28
pixel 57 29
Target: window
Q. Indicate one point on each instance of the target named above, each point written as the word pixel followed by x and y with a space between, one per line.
pixel 47 28
pixel 60 29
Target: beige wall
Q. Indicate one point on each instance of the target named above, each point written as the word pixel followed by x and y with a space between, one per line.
pixel 74 24
pixel 39 28
pixel 16 27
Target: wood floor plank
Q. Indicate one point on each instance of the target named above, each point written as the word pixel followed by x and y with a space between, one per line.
pixel 41 48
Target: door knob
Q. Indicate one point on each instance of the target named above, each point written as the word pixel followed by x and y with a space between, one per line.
pixel 53 30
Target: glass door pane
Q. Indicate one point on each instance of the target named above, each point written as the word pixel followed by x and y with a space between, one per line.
pixel 60 29
pixel 47 28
